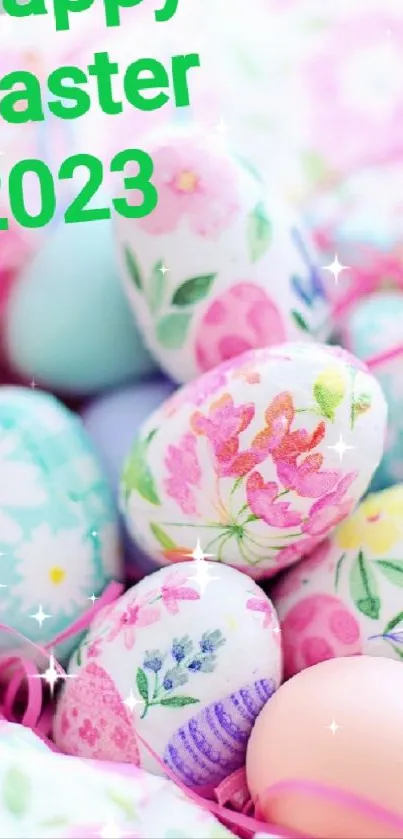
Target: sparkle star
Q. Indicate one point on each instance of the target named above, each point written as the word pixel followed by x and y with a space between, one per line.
pixel 333 727
pixel 40 616
pixel 164 270
pixel 93 598
pixel 340 447
pixel 198 554
pixel 33 384
pixel 335 268
pixel 202 577
pixel 52 675
pixel 131 702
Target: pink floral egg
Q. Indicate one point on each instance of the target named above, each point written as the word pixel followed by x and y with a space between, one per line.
pixel 246 459
pixel 315 629
pixel 240 319
pixel 181 664
pixel 219 266
pixel 345 598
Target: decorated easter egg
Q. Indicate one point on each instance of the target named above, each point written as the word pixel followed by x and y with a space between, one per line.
pixel 218 267
pixel 324 757
pixel 68 325
pixel 346 598
pixel 111 420
pixel 259 459
pixel 373 331
pixel 58 522
pixel 183 661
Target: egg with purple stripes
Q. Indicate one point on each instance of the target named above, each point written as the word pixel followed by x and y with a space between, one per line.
pixel 172 676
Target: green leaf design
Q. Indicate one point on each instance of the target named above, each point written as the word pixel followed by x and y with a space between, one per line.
pixel 123 803
pixel 171 330
pixel 133 268
pixel 179 701
pixel 248 166
pixel 259 232
pixel 142 684
pixel 329 390
pixel 300 321
pixel 360 405
pixel 79 658
pixel 165 541
pixel 363 588
pixel 137 475
pixel 16 792
pixel 155 287
pixel 393 623
pixel 392 569
pixel 193 290
pixel 338 571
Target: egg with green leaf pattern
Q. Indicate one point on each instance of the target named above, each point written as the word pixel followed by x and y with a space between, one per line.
pixel 220 266
pixel 346 598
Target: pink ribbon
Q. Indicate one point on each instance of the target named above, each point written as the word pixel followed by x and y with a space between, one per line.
pixel 232 792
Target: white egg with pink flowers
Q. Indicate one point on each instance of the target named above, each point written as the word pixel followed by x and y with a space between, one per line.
pixel 258 460
pixel 220 266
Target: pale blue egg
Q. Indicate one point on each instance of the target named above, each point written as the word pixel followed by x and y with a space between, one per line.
pixel 112 421
pixel 59 536
pixel 68 324
pixel 375 326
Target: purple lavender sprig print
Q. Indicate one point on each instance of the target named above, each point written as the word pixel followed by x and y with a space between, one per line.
pixel 162 674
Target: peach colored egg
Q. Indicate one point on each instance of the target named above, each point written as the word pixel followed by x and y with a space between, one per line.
pixel 325 757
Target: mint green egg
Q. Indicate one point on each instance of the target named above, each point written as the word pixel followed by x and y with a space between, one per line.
pixel 59 539
pixel 68 325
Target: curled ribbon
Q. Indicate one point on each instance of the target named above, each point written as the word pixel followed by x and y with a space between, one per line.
pixel 233 792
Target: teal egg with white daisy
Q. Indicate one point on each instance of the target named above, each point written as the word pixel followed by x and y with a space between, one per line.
pixel 59 542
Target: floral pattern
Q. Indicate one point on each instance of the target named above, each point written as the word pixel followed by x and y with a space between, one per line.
pixel 185 661
pixel 236 321
pixel 249 468
pixel 203 310
pixel 192 184
pixel 58 524
pixel 183 667
pixel 345 599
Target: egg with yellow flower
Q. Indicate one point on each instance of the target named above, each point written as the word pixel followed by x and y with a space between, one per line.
pixel 346 597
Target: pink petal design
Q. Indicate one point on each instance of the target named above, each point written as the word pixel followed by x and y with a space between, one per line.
pixel 91 701
pixel 261 499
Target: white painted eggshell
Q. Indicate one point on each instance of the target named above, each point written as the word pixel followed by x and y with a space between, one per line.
pixel 184 665
pixel 59 540
pixel 247 458
pixel 220 266
pixel 346 598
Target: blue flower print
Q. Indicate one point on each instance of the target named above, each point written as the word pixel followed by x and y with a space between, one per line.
pixel 157 687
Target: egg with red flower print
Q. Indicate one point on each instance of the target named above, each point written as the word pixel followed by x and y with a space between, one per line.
pixel 258 459
pixel 181 664
pixel 219 266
